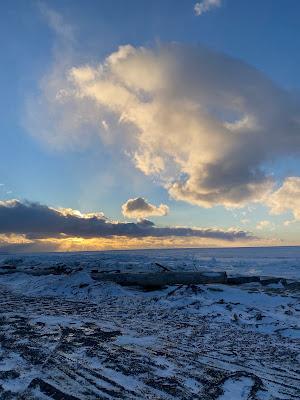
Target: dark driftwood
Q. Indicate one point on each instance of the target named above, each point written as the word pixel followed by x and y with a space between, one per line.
pixel 155 279
pixel 162 267
pixel 240 280
pixel 267 280
pixel 40 271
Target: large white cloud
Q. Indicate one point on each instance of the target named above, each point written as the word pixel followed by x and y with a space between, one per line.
pixel 286 198
pixel 203 124
pixel 140 208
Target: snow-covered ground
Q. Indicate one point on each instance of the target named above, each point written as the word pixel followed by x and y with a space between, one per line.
pixel 273 261
pixel 69 337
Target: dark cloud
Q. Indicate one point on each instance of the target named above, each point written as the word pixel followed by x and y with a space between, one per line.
pixel 35 220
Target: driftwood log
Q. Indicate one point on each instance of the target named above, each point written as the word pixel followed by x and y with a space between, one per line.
pixel 154 279
pixel 240 280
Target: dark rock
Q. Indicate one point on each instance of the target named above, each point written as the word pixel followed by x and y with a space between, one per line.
pixel 83 285
pixel 259 317
pixel 235 317
pixel 50 390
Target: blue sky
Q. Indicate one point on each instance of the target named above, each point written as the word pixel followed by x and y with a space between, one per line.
pixel 101 177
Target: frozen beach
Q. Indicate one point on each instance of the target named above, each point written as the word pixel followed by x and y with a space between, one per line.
pixel 70 337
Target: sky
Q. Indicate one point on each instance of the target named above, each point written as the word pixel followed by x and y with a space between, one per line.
pixel 136 124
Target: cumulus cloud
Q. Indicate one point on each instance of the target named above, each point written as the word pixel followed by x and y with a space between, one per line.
pixel 204 125
pixel 140 208
pixel 206 5
pixel 286 198
pixel 37 221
